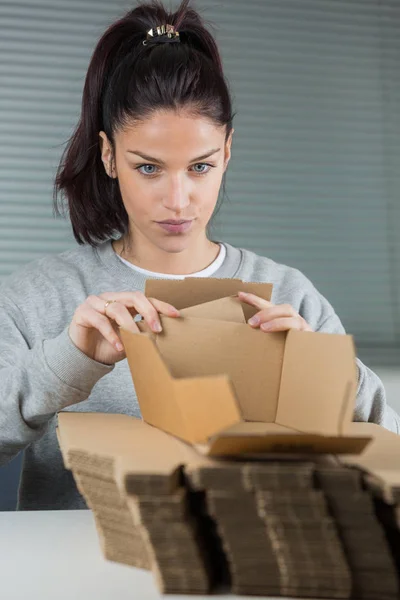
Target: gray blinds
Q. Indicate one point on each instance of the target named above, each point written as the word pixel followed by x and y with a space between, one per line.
pixel 314 177
pixel 45 47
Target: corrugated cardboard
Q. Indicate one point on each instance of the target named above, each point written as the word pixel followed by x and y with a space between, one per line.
pixel 275 529
pixel 130 475
pixel 209 371
pixel 364 538
pixel 381 458
pixel 286 525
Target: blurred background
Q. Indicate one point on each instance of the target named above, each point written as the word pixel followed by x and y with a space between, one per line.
pixel 314 178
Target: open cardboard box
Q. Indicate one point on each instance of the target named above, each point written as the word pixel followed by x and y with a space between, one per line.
pixel 213 381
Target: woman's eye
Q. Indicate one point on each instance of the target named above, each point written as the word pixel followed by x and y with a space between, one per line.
pixel 148 173
pixel 202 165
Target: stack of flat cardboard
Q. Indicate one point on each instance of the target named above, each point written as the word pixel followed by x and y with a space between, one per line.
pixel 388 513
pixel 364 502
pixel 120 539
pixel 304 528
pixel 275 528
pixel 174 543
pixel 141 510
pixel 363 537
pixel 119 536
pixel 386 496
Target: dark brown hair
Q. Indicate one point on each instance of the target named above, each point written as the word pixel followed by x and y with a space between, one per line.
pixel 126 81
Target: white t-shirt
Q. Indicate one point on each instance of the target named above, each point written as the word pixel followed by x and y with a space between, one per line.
pixel 207 272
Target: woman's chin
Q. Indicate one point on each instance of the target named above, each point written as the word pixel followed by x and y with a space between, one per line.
pixel 171 244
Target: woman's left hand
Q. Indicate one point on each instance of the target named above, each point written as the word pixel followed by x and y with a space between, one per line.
pixel 273 317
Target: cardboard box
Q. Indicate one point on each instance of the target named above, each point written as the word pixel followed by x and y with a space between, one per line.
pixel 215 382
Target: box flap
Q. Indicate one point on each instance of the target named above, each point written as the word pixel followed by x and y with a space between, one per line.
pixel 178 406
pixel 89 432
pixel 382 456
pixel 277 439
pixel 135 447
pixel 198 290
pixel 252 359
pixel 206 404
pixel 117 435
pixel 224 309
pixel 319 382
pixel 253 428
pixel 153 383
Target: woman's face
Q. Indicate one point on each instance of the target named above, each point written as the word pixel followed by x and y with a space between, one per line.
pixel 169 192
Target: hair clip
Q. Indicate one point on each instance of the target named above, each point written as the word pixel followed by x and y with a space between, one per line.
pixel 162 34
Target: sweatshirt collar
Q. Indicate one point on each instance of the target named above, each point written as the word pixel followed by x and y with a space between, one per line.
pixel 106 254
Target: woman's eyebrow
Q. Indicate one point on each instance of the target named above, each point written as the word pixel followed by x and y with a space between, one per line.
pixel 161 162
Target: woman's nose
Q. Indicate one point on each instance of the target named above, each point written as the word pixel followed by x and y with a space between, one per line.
pixel 176 197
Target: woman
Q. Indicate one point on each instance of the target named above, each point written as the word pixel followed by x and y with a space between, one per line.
pixel 141 175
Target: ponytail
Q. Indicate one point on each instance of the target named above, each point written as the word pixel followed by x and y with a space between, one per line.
pixel 126 82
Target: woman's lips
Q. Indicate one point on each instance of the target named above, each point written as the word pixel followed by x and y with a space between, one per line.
pixel 175 226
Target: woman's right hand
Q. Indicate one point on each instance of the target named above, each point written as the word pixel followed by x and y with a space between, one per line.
pixel 94 330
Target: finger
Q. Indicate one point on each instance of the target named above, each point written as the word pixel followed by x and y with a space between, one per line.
pixel 254 300
pixel 149 313
pixel 122 317
pixel 274 312
pixel 140 304
pixel 148 308
pixel 115 311
pixel 131 299
pixel 128 299
pixel 89 317
pixel 164 308
pixel 283 324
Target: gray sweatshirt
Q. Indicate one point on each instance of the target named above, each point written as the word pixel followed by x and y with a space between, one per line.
pixel 43 372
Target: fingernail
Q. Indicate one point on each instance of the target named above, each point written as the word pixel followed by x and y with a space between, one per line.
pixel 119 347
pixel 254 320
pixel 266 326
pixel 157 327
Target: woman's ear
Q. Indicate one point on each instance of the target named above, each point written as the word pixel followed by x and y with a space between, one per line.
pixel 227 153
pixel 106 154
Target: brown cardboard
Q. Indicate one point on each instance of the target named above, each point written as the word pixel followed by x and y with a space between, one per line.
pixel 130 476
pixel 199 290
pixel 225 445
pixel 251 372
pixel 136 447
pixel 381 458
pixel 180 412
pixel 277 535
pixel 276 532
pixel 209 370
pixel 223 309
pixel 357 518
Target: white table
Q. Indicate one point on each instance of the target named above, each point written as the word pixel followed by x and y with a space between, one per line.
pixel 55 555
